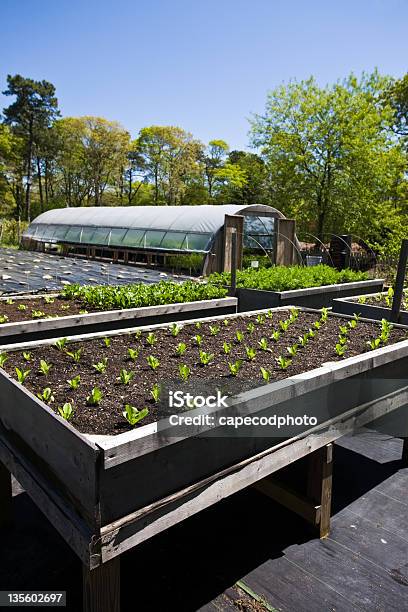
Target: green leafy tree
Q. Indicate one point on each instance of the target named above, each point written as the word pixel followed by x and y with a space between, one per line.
pixel 32 112
pixel 170 157
pixel 333 163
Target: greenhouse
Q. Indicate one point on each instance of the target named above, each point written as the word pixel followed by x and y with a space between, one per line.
pixel 149 233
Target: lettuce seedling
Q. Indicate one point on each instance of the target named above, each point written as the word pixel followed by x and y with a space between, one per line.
pixel 198 340
pixel 214 330
pixel 3 359
pixel 374 344
pixel 21 307
pixel 198 325
pixel 75 355
pixel 292 350
pixel 9 301
pixel 3 318
pixel 125 377
pixel 250 327
pixel 151 338
pixel 227 348
pixel 133 415
pixel 46 395
pixel 94 398
pixel 155 392
pixel 266 374
pixel 263 344
pixel 303 340
pixel 294 314
pixel 235 367
pixel 239 336
pixel 27 355
pixel 284 325
pixel 206 358
pixel 38 314
pixel 275 335
pixel 133 354
pixel 153 362
pixel 101 366
pixel 341 349
pixel 66 411
pixel 261 318
pixel 48 299
pixel 325 314
pixel 44 367
pixel 250 353
pixel 175 330
pixel 283 362
pixel 107 342
pixel 181 349
pixel 225 322
pixel 22 375
pixel 60 343
pixel 74 382
pixel 184 372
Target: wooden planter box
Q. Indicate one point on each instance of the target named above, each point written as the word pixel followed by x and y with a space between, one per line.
pixel 94 322
pixel 313 297
pixel 106 494
pixel 370 311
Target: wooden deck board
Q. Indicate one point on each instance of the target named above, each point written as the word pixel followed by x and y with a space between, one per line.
pixel 192 567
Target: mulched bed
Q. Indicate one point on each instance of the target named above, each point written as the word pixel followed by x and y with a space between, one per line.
pixel 58 307
pixel 381 300
pixel 107 418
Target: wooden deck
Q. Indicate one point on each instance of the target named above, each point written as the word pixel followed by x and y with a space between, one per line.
pixel 248 553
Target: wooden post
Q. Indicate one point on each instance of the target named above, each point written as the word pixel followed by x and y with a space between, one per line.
pixel 399 281
pixel 101 587
pixel 233 262
pixel 319 485
pixel 5 497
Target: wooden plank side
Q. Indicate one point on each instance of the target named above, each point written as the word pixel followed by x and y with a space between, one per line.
pixel 128 315
pixel 52 505
pixel 143 524
pixel 65 457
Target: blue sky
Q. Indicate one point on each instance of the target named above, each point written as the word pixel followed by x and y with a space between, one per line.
pixel 205 66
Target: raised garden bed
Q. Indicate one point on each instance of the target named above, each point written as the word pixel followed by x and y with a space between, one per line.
pixel 92 309
pixel 106 495
pixel 314 287
pixel 374 306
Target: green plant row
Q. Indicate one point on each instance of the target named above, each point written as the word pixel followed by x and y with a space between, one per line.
pixel 135 296
pixel 280 278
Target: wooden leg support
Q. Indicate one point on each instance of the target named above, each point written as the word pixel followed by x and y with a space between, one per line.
pixel 319 485
pixel 404 458
pixel 315 507
pixel 5 497
pixel 101 587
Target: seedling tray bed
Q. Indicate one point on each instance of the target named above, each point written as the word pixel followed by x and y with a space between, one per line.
pixel 43 316
pixel 374 306
pixel 118 367
pixel 312 297
pixel 107 494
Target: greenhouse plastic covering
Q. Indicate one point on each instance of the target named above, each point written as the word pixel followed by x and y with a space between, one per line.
pixel 180 228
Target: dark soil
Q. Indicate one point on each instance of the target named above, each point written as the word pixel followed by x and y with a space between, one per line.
pixel 381 300
pixel 107 418
pixel 45 308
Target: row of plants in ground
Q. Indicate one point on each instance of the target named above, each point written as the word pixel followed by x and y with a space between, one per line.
pixel 76 299
pixel 116 382
pixel 281 278
pixel 383 299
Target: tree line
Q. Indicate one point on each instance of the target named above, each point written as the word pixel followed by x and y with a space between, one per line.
pixel 333 157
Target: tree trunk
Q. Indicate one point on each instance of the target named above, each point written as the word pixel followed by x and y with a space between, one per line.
pixel 40 189
pixel 29 161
